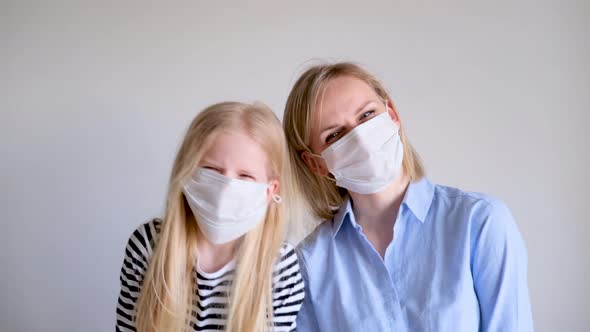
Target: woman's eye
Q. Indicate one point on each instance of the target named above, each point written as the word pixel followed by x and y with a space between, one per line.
pixel 332 136
pixel 367 114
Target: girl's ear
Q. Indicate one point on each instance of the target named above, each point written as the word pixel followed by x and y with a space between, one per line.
pixel 272 189
pixel 316 166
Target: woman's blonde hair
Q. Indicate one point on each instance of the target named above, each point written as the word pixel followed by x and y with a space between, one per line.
pixel 168 291
pixel 323 196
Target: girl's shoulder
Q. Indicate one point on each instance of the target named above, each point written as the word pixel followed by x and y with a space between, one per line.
pixel 287 265
pixel 288 284
pixel 143 240
pixel 287 254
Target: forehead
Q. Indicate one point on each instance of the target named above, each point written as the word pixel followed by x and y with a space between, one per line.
pixel 341 95
pixel 343 92
pixel 346 84
pixel 235 147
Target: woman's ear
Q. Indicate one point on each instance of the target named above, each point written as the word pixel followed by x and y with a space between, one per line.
pixel 393 112
pixel 317 167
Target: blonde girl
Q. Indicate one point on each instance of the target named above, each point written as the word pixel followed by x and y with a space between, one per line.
pixel 217 260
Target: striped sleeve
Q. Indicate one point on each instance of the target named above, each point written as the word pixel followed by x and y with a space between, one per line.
pixel 135 263
pixel 288 290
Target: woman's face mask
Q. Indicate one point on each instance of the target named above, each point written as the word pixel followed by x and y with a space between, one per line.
pixel 367 157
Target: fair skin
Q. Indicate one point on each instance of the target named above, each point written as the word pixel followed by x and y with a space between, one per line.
pixel 226 155
pixel 345 103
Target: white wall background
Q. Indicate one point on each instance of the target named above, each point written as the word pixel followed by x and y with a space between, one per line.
pixel 95 97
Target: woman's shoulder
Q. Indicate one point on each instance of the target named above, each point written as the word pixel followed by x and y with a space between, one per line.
pixel 457 197
pixel 482 214
pixel 318 241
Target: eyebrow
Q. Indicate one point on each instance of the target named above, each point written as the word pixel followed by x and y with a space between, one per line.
pixel 335 126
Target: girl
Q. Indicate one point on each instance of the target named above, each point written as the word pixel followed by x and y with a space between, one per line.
pixel 217 261
pixel 395 252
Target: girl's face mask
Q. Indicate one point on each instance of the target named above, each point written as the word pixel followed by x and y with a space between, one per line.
pixel 226 208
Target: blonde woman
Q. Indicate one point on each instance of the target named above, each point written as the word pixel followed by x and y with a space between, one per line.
pixel 217 261
pixel 395 252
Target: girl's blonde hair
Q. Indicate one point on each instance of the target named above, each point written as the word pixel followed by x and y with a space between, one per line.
pixel 323 196
pixel 168 291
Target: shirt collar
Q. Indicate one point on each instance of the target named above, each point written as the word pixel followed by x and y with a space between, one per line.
pixel 344 212
pixel 418 199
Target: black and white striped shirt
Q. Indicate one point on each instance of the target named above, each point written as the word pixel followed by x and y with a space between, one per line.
pixel 209 308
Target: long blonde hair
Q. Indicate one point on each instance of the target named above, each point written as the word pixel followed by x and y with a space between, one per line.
pixel 323 196
pixel 168 292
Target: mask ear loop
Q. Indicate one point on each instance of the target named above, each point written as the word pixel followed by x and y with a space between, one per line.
pixel 329 176
pixel 277 198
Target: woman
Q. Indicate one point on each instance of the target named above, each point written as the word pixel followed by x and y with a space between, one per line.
pixel 217 260
pixel 395 252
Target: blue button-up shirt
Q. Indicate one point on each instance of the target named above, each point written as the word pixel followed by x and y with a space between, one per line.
pixel 457 263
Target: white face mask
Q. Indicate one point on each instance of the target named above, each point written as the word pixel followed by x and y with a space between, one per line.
pixel 225 208
pixel 368 158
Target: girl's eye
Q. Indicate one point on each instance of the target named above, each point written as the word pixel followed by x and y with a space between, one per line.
pixel 246 176
pixel 212 168
pixel 332 136
pixel 367 114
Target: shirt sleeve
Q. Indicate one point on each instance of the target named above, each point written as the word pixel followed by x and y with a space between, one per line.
pixel 288 291
pixel 306 320
pixel 499 268
pixel 133 269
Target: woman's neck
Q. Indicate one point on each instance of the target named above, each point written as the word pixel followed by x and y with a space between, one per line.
pixel 212 257
pixel 372 209
pixel 377 213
